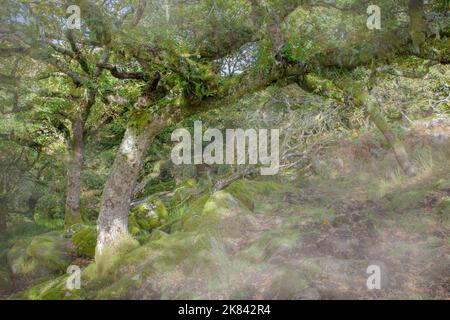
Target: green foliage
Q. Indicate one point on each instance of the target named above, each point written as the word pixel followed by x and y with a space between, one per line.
pixel 146 217
pixel 84 240
pixel 49 206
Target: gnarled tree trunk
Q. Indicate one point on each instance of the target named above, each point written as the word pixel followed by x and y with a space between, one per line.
pixel 73 187
pixel 112 224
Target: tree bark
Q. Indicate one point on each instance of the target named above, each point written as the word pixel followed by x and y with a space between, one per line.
pixel 417 25
pixel 397 146
pixel 112 225
pixel 73 187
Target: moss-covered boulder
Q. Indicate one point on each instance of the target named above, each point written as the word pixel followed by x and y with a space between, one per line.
pixel 84 240
pixel 54 289
pixel 148 215
pixel 229 211
pixel 221 202
pixel 222 214
pixel 40 255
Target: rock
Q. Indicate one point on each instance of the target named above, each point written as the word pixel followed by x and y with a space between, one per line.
pixel 222 212
pixel 54 289
pixel 244 194
pixel 148 216
pixel 221 202
pixel 39 256
pixel 17 258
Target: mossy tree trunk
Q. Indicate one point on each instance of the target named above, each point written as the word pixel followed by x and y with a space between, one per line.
pixel 73 187
pixel 381 123
pixel 113 218
pixel 112 224
pixel 417 25
pixel 76 143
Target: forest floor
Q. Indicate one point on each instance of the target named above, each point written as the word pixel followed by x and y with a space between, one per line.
pixel 297 237
pixel 320 237
pixel 319 240
pixel 408 244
